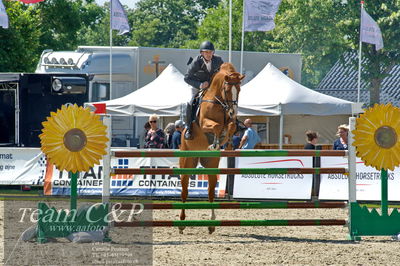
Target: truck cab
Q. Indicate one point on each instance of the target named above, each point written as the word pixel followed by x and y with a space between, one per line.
pixel 26 100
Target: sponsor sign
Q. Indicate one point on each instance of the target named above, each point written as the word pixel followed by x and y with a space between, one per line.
pixel 368 182
pixel 273 186
pixel 22 166
pixel 90 183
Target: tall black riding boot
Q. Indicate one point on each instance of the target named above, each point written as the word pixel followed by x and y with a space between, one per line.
pixel 189 120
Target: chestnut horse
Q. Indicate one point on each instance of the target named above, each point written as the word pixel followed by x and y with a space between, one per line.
pixel 214 127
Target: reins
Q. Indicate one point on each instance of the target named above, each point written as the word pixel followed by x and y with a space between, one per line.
pixel 223 103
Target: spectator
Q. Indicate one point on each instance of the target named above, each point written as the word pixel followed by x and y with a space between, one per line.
pixel 341 142
pixel 146 127
pixel 236 140
pixel 176 137
pixel 250 137
pixel 169 131
pixel 155 137
pixel 312 139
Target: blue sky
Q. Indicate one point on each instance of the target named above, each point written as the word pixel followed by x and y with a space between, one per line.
pixel 129 3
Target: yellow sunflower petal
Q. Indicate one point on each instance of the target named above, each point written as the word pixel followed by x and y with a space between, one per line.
pixel 86 133
pixel 378 150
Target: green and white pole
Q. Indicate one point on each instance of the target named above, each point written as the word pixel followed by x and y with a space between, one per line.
pixel 384 192
pixel 74 189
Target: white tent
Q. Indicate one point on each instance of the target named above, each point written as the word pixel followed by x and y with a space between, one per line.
pixel 272 93
pixel 167 95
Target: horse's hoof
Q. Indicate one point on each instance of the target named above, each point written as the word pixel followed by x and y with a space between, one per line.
pixel 211 229
pixel 213 147
pixel 181 228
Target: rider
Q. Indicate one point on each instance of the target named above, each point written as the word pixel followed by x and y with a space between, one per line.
pixel 199 77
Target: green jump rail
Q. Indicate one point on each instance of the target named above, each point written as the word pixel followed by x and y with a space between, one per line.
pixel 231 205
pixel 317 222
pixel 236 153
pixel 227 171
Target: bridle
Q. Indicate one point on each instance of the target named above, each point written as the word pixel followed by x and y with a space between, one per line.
pixel 228 104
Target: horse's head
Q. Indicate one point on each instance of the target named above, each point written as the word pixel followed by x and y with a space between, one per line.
pixel 230 93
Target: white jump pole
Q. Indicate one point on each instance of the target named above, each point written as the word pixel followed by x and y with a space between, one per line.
pixel 352 161
pixel 107 162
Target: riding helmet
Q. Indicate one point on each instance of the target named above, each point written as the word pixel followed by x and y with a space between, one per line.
pixel 206 46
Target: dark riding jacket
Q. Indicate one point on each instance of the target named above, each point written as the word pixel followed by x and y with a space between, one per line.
pixel 198 73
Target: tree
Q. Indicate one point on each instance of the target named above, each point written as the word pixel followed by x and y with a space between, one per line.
pixel 305 27
pixel 19 43
pixel 160 23
pixel 377 64
pixel 310 27
pixel 98 34
pixel 61 20
pixel 322 31
pixel 215 27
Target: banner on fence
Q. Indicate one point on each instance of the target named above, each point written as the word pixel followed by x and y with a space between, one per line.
pixel 90 183
pixel 27 166
pixel 22 166
pixel 368 182
pixel 273 186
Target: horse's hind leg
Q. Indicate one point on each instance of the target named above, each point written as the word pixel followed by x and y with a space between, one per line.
pixel 185 163
pixel 184 195
pixel 212 183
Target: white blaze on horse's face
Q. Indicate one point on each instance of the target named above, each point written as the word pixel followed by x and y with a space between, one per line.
pixel 234 99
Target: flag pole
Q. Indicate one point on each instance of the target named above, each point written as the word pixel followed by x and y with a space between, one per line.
pixel 111 49
pixel 242 44
pixel 359 58
pixel 230 31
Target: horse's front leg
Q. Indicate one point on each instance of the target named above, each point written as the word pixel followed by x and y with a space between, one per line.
pixel 215 145
pixel 185 163
pixel 210 126
pixel 228 137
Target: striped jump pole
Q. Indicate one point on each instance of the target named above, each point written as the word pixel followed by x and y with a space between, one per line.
pixel 232 205
pixel 228 171
pixel 317 222
pixel 236 153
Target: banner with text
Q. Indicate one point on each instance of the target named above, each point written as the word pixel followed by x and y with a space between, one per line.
pixel 22 166
pixel 91 183
pixel 368 182
pixel 273 186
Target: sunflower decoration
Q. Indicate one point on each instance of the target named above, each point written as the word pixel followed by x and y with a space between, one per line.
pixel 376 137
pixel 73 138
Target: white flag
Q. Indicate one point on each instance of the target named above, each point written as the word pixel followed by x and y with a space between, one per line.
pixel 370 31
pixel 119 20
pixel 3 16
pixel 259 14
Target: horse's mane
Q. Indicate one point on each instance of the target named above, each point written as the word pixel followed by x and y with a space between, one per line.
pixel 219 77
pixel 227 67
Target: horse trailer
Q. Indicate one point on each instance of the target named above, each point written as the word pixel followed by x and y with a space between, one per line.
pixel 26 99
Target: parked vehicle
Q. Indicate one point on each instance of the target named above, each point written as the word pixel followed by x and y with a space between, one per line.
pixel 134 67
pixel 26 99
